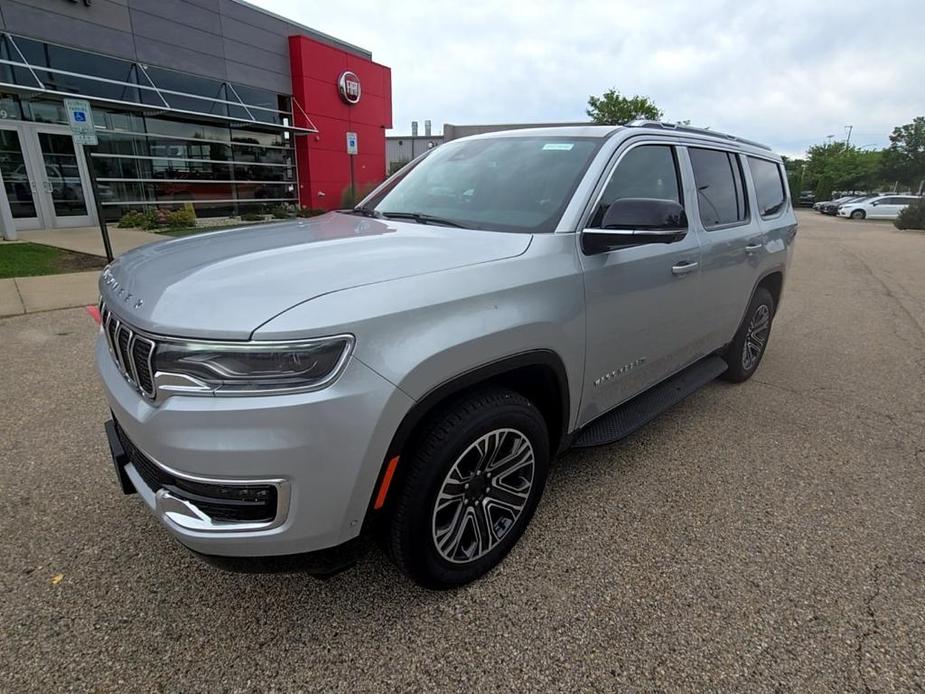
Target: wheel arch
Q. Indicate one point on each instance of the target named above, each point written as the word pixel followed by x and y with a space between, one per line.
pixel 539 375
pixel 773 281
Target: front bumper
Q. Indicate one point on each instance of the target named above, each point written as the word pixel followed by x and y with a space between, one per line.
pixel 843 212
pixel 321 451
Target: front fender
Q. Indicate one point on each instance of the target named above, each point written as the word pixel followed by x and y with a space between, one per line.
pixel 420 332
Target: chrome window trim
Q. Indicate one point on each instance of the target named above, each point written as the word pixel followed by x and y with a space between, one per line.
pixel 615 158
pixel 746 190
pixel 781 172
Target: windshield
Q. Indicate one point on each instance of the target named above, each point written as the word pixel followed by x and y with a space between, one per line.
pixel 503 184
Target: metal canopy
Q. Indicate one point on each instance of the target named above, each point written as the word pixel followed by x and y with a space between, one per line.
pixel 143 81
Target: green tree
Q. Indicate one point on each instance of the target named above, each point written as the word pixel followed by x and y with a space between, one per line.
pixel 841 167
pixel 612 108
pixel 904 159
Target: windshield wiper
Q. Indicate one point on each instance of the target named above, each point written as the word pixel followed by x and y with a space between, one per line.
pixel 423 219
pixel 367 212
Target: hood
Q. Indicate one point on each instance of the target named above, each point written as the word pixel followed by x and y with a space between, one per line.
pixel 225 284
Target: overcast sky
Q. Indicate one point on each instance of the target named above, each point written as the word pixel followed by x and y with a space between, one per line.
pixel 785 72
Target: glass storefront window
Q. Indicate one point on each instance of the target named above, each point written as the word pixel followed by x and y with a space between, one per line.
pixel 163 159
pixel 260 155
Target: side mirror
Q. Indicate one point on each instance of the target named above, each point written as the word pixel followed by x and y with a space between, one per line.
pixel 633 221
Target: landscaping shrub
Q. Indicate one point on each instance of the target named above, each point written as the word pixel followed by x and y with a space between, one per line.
pixel 133 219
pixel 281 212
pixel 252 217
pixel 913 217
pixel 180 219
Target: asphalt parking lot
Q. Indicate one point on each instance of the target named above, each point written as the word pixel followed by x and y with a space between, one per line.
pixel 756 537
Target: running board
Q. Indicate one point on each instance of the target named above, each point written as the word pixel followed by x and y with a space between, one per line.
pixel 630 416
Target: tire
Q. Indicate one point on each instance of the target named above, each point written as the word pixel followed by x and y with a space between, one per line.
pixel 744 353
pixel 453 521
pixel 858 214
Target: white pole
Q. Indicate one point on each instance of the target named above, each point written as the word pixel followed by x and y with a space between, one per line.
pixel 7 225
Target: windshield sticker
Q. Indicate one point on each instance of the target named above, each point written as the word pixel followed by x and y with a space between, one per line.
pixel 559 146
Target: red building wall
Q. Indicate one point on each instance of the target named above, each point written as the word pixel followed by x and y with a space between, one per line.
pixel 322 159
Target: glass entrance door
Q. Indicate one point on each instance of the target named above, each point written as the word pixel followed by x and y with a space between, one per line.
pixel 65 185
pixel 19 183
pixel 45 177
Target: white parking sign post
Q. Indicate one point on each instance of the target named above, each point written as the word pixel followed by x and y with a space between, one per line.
pixel 352 149
pixel 80 118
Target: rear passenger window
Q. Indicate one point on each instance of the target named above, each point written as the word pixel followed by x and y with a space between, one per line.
pixel 769 186
pixel 647 171
pixel 720 191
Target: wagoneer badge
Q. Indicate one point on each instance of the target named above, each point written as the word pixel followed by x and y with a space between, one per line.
pixel 118 290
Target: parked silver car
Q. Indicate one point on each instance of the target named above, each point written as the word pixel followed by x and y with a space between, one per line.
pixel 411 366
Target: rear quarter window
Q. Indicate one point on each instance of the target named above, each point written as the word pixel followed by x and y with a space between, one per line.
pixel 769 186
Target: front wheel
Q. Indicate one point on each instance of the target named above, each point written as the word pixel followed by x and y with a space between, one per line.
pixel 747 348
pixel 858 214
pixel 471 487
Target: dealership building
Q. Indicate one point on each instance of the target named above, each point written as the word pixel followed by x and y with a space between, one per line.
pixel 215 103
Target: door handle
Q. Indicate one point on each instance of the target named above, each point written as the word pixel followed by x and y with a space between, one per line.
pixel 683 268
pixel 753 248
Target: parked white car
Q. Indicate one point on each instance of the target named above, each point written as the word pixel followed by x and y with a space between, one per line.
pixel 880 207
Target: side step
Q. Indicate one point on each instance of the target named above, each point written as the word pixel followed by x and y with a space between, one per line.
pixel 630 416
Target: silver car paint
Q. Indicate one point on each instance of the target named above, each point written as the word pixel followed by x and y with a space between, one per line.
pixel 426 304
pixel 224 284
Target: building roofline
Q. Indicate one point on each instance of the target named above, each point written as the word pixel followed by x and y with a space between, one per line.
pixel 311 33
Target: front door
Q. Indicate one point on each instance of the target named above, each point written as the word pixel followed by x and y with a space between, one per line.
pixel 642 301
pixel 45 177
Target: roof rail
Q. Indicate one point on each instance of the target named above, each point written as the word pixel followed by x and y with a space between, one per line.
pixel 695 131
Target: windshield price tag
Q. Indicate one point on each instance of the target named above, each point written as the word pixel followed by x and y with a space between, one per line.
pixel 558 146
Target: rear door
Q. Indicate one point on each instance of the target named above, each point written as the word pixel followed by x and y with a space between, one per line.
pixel 732 239
pixel 641 300
pixel 884 208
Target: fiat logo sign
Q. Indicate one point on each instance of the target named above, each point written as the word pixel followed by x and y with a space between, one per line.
pixel 348 84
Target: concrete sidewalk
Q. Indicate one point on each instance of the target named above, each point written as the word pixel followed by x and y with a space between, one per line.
pixel 31 294
pixel 89 240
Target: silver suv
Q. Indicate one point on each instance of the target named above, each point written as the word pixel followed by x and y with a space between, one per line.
pixel 412 365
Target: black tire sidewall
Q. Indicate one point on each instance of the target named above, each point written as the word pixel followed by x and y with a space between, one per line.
pixel 420 555
pixel 733 355
pixel 858 214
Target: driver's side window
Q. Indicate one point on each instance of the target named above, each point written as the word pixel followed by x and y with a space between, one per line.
pixel 647 171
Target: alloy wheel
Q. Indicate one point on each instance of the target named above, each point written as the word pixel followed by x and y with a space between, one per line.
pixel 483 495
pixel 756 337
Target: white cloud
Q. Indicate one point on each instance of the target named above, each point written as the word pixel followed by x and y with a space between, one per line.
pixel 788 72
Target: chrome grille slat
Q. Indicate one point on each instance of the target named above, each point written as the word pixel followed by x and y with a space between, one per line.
pixel 144 367
pixel 132 353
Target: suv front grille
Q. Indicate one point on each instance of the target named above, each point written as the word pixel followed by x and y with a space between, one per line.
pixel 133 353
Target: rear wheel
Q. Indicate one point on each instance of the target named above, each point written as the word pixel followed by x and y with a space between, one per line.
pixel 747 348
pixel 858 214
pixel 471 487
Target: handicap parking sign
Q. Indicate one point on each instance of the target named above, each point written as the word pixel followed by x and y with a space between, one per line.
pixel 80 118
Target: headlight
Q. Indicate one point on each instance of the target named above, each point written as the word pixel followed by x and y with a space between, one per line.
pixel 250 368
